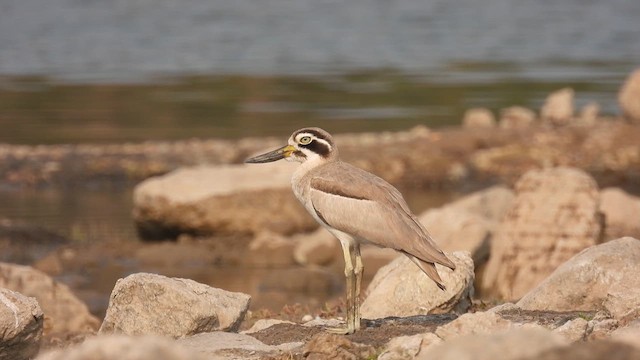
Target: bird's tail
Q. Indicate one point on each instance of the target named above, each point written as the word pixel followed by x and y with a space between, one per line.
pixel 429 269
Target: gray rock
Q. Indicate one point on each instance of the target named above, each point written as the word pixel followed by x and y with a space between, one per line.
pixel 212 344
pixel 146 304
pixel 64 312
pixel 602 277
pixel 264 324
pixel 516 117
pixel 120 347
pixel 21 321
pixel 402 289
pixel 621 213
pixel 554 216
pixel 232 199
pixel 478 118
pixel 474 323
pixel 558 107
pixel 629 97
pixel 506 345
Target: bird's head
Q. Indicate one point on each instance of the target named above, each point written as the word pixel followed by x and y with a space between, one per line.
pixel 308 144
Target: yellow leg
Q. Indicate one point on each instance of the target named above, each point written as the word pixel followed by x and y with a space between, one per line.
pixel 358 269
pixel 351 282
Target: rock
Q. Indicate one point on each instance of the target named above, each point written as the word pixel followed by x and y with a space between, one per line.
pixel 270 250
pixel 554 216
pixel 558 107
pixel 505 345
pixel 233 199
pixel 120 347
pixel 455 229
pixel 621 213
pixel 64 312
pixel 516 117
pixel 213 345
pixel 478 118
pixel 629 97
pixel 407 347
pixel 21 322
pixel 491 203
pixel 599 329
pixel 316 248
pixel 264 324
pixel 629 334
pixel 573 330
pixel 146 304
pixel 402 289
pixel 602 277
pixel 591 350
pixel 589 114
pixel 331 346
pixel 473 323
pixel 374 258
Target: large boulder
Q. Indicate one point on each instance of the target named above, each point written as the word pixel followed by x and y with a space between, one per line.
pixel 491 203
pixel 21 322
pixel 120 347
pixel 64 312
pixel 603 277
pixel 554 216
pixel 402 289
pixel 143 304
pixel 505 345
pixel 232 199
pixel 621 213
pixel 629 97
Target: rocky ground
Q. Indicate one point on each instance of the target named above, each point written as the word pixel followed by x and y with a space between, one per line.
pixel 546 260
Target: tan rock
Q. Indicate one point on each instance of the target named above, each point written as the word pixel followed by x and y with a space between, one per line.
pixel 120 347
pixel 621 213
pixel 270 250
pixel 589 350
pixel 602 277
pixel 213 344
pixel 455 229
pixel 589 114
pixel 374 258
pixel 402 289
pixel 233 199
pixel 478 118
pixel 408 347
pixel 573 330
pixel 629 97
pixel 629 334
pixel 505 345
pixel 516 117
pixel 558 107
pixel 554 216
pixel 64 312
pixel 21 322
pixel 474 323
pixel 491 203
pixel 264 324
pixel 150 304
pixel 316 248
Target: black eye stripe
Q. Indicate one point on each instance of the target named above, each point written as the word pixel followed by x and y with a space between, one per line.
pixel 318 147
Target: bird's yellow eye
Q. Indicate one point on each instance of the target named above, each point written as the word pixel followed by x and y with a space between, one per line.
pixel 305 140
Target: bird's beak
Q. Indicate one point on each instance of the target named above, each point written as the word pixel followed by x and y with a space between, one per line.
pixel 277 154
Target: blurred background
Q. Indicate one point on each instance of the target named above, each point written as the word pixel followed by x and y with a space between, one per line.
pixel 117 71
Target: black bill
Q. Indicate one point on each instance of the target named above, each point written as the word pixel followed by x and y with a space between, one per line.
pixel 274 155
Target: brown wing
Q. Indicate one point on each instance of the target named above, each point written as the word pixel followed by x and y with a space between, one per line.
pixel 362 204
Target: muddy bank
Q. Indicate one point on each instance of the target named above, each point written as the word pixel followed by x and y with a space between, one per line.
pixel 459 157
